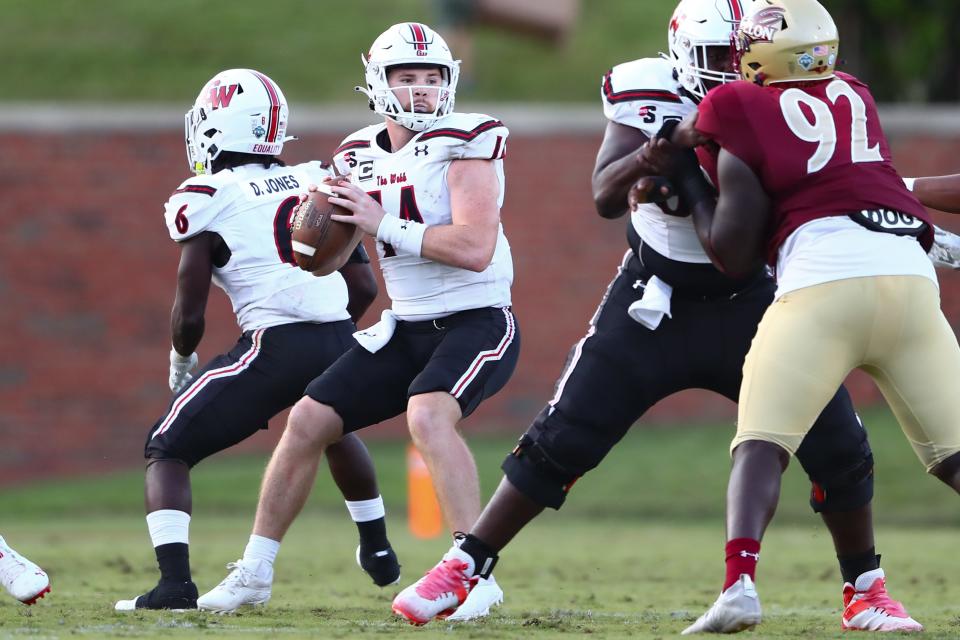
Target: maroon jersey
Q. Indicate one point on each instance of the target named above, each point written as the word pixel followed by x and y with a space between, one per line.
pixel 817 148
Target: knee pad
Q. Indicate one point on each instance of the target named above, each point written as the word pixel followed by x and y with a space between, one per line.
pixel 552 455
pixel 843 490
pixel 534 473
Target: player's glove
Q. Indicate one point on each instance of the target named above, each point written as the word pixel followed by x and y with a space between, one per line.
pixel 180 367
pixel 945 251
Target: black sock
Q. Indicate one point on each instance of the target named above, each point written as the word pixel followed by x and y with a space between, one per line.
pixel 174 561
pixel 484 557
pixel 373 535
pixel 851 567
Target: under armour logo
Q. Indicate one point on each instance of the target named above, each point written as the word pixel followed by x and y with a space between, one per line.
pixel 418 150
pixel 639 284
pixel 403 225
pixel 747 554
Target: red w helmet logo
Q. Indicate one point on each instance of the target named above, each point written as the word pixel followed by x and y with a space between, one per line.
pixel 763 25
pixel 220 96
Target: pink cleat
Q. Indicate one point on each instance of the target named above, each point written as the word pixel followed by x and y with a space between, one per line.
pixel 438 593
pixel 868 606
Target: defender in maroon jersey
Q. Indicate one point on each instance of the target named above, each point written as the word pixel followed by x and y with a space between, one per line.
pixel 806 182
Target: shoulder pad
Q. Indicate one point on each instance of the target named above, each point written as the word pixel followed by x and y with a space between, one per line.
pixel 194 206
pixel 849 79
pixel 467 136
pixel 356 141
pixel 642 94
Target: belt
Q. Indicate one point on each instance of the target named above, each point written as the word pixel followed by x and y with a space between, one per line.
pixel 447 322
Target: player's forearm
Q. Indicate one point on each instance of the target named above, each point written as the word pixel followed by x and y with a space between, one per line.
pixel 361 288
pixel 186 330
pixel 186 336
pixel 939 192
pixel 460 246
pixel 612 184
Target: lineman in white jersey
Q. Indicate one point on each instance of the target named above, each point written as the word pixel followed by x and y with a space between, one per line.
pixel 231 221
pixel 428 184
pixel 668 321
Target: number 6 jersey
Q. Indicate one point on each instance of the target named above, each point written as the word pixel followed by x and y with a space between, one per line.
pixel 411 184
pixel 250 207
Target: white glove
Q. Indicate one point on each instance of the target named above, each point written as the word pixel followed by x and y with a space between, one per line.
pixel 946 249
pixel 180 367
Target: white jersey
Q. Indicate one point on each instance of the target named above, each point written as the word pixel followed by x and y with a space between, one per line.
pixel 644 94
pixel 412 184
pixel 250 208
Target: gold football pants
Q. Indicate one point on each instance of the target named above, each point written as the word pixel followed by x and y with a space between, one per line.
pixel 891 327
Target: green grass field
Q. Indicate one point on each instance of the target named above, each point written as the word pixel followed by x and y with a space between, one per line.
pixel 636 553
pixel 144 50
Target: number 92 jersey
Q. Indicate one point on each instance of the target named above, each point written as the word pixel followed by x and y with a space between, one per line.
pixel 837 163
pixel 411 184
pixel 643 94
pixel 250 207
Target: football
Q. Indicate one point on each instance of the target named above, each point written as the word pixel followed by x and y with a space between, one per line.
pixel 321 245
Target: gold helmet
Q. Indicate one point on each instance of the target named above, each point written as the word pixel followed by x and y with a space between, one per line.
pixel 785 41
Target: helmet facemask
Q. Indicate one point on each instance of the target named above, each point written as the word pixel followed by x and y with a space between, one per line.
pixel 698 30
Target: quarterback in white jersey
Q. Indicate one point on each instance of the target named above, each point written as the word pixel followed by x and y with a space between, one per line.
pixel 428 183
pixel 411 184
pixel 232 223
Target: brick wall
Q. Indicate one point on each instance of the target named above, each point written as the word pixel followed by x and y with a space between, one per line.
pixel 87 276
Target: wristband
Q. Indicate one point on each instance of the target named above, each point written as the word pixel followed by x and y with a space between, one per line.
pixel 406 236
pixel 909 183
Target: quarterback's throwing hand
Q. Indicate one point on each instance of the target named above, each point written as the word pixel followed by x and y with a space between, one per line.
pixel 180 367
pixel 367 212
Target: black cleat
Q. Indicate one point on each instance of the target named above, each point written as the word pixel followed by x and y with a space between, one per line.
pixel 382 566
pixel 177 596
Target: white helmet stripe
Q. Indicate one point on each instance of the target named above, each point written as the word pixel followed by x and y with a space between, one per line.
pixel 273 122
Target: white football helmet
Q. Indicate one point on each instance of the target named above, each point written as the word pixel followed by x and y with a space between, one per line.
pixel 695 26
pixel 237 110
pixel 409 43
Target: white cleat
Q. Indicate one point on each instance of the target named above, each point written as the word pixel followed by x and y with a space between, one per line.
pixel 486 594
pixel 737 609
pixel 868 607
pixel 248 583
pixel 22 579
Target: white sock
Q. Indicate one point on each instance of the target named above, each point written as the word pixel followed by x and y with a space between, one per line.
pixel 167 526
pixel 260 548
pixel 366 510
